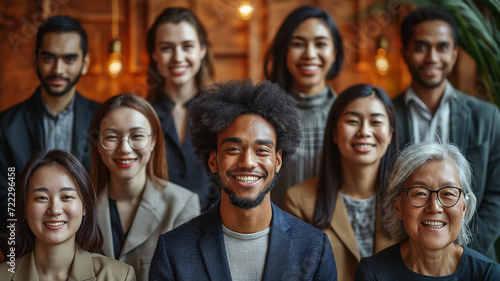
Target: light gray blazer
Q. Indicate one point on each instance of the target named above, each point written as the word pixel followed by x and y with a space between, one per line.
pixel 161 209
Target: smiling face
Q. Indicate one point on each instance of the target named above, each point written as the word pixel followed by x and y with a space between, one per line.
pixel 125 163
pixel 246 160
pixel 432 226
pixel 60 62
pixel 310 56
pixel 430 54
pixel 178 53
pixel 54 209
pixel 363 132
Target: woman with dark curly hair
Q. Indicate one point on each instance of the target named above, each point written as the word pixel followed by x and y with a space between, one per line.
pixel 57 237
pixel 306 52
pixel 137 203
pixel 179 65
pixel 360 142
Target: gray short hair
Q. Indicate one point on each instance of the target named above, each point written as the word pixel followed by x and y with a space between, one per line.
pixel 410 159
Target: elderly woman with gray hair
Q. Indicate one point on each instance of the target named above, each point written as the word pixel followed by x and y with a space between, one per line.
pixel 427 207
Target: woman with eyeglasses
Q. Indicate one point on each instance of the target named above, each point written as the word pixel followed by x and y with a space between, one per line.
pixel 360 142
pixel 137 203
pixel 428 206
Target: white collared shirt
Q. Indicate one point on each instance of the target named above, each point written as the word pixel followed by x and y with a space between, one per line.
pixel 426 126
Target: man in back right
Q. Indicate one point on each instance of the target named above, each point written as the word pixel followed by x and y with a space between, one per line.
pixel 432 109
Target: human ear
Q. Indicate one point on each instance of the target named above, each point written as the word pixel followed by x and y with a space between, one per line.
pixel 397 208
pixel 86 64
pixel 279 161
pixel 212 162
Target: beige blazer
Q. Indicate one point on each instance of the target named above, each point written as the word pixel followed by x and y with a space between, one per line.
pixel 300 201
pixel 86 267
pixel 160 210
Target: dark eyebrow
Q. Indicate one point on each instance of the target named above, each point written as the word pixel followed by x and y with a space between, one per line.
pixel 231 139
pixel 44 189
pixel 315 38
pixel 74 55
pixel 376 114
pixel 265 142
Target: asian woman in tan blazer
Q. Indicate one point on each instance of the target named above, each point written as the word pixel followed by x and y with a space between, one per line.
pixel 56 235
pixel 359 144
pixel 137 203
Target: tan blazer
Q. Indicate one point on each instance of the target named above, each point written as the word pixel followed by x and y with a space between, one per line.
pixel 300 201
pixel 86 267
pixel 160 210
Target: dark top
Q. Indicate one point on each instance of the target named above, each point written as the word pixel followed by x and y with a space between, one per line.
pixel 475 129
pixel 196 251
pixel 184 167
pixel 22 133
pixel 119 236
pixel 389 265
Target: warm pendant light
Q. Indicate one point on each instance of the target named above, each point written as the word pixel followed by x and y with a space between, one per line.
pixel 115 50
pixel 245 10
pixel 381 61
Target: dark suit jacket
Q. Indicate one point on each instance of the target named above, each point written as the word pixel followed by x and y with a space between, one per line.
pixel 21 134
pixel 475 128
pixel 195 251
pixel 184 167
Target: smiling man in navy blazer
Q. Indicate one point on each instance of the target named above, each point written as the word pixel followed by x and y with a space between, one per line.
pixel 245 133
pixel 56 115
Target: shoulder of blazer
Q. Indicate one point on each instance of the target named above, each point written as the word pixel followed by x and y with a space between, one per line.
pixel 85 102
pixel 32 104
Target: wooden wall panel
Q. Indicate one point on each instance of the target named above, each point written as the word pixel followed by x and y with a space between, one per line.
pixel 238 46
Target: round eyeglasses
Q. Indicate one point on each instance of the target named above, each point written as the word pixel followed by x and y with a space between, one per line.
pixel 137 140
pixel 420 196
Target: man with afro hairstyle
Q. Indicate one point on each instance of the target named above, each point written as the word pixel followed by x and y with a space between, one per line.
pixel 244 132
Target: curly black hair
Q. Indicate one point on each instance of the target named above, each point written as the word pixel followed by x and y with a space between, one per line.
pixel 218 105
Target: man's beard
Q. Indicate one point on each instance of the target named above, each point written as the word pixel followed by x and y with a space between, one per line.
pixel 247 203
pixel 416 76
pixel 46 86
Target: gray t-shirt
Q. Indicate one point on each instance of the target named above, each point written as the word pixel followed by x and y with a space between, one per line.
pixel 246 253
pixel 362 215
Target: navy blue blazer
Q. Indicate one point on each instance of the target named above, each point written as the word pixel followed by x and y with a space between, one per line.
pixel 475 129
pixel 21 134
pixel 195 251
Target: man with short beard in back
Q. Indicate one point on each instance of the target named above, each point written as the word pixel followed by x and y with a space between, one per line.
pixel 56 116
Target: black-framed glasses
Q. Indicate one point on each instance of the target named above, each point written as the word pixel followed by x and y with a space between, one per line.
pixel 419 196
pixel 136 140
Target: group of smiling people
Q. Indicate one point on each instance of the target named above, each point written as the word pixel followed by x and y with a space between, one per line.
pixel 387 215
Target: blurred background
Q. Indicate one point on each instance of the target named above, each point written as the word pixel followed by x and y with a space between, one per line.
pixel 239 40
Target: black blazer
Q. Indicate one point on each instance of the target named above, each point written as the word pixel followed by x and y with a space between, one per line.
pixel 184 167
pixel 21 134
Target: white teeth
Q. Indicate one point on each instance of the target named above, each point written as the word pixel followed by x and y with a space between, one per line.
pixel 246 179
pixel 125 162
pixel 363 146
pixel 433 224
pixel 178 69
pixel 309 67
pixel 54 223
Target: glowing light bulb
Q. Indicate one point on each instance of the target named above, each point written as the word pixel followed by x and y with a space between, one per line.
pixel 381 62
pixel 115 59
pixel 245 10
